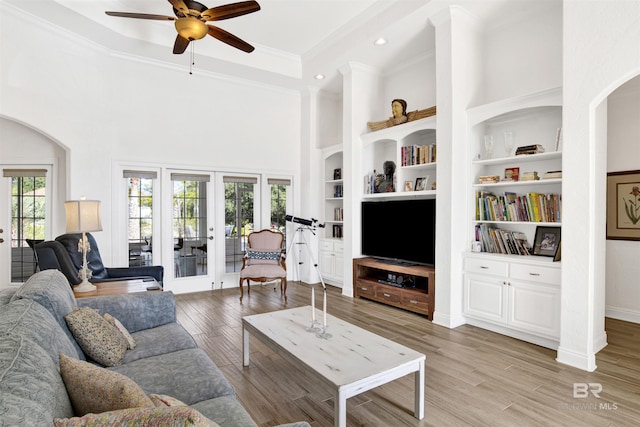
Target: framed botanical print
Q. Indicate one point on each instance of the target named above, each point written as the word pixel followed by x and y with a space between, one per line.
pixel 623 205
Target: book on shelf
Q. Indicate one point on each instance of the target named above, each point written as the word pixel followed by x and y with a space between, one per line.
pixel 488 179
pixel 496 240
pixel 337 231
pixel 338 191
pixel 417 154
pixel 530 207
pixel 511 174
pixel 529 149
pixel 529 176
pixel 552 175
pixel 338 214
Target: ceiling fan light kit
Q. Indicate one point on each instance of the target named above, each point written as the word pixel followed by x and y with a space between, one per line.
pixel 191 22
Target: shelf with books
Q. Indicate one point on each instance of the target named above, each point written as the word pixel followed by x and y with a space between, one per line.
pixel 412 149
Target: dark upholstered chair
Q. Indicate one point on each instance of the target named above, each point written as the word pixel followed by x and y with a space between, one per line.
pixel 264 260
pixel 62 254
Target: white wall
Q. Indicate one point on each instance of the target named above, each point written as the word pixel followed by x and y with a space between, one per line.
pixel 601 40
pixel 623 152
pixel 105 108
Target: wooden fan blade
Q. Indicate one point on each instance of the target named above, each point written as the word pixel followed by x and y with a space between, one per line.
pixel 180 45
pixel 230 10
pixel 180 6
pixel 230 39
pixel 141 16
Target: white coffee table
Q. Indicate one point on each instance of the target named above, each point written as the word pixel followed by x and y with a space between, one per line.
pixel 352 361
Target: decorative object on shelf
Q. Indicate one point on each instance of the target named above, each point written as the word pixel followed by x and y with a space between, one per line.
pixel 547 241
pixel 337 174
pixel 559 139
pixel 385 183
pixel 623 205
pixel 83 216
pixel 529 149
pixel 511 174
pixel 408 186
pixel 433 185
pixel 488 146
pixel 400 115
pixel 508 142
pixel 421 183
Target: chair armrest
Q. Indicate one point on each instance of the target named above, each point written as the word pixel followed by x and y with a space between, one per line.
pixel 136 311
pixel 155 271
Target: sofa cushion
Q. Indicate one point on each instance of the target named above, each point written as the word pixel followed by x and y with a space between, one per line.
pixel 165 400
pixel 31 388
pixel 155 341
pixel 193 377
pixel 29 319
pixel 98 338
pixel 227 411
pixel 140 417
pixel 131 343
pixel 95 389
pixel 5 296
pixel 51 289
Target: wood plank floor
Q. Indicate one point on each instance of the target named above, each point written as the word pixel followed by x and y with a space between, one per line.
pixel 473 377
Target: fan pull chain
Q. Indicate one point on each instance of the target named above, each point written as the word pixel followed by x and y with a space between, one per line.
pixel 193 59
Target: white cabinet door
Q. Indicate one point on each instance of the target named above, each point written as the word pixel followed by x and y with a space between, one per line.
pixel 327 260
pixel 485 297
pixel 535 308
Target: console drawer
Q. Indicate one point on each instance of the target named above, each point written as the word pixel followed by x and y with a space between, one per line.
pixel 388 293
pixel 366 290
pixel 535 273
pixel 415 301
pixel 486 266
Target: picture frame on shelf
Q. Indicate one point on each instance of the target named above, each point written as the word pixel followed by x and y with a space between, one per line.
pixel 421 183
pixel 337 174
pixel 547 241
pixel 623 205
pixel 408 186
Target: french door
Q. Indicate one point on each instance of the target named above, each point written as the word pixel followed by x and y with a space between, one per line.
pixel 24 219
pixel 189 231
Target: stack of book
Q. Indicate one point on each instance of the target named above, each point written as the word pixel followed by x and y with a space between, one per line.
pixel 418 154
pixel 552 175
pixel 495 240
pixel 488 179
pixel 530 207
pixel 529 149
pixel 529 176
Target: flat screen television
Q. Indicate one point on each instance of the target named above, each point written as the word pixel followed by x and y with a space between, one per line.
pixel 400 230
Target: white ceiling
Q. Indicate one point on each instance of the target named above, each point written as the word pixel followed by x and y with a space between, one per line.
pixel 294 39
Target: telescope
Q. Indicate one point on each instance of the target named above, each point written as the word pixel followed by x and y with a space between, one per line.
pixel 308 222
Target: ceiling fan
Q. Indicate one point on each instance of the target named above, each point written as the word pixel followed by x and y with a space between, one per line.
pixel 191 18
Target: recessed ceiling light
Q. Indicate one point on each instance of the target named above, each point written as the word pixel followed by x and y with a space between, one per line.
pixel 380 41
pixel 319 76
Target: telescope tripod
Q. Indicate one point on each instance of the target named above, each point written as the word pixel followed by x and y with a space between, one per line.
pixel 298 239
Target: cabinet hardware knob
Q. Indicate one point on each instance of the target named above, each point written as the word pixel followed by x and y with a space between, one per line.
pixel 386 295
pixel 534 274
pixel 413 301
pixel 484 267
pixel 365 289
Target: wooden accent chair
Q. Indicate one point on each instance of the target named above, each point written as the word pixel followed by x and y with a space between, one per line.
pixel 264 260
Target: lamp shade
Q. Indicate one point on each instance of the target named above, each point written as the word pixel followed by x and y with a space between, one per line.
pixel 83 216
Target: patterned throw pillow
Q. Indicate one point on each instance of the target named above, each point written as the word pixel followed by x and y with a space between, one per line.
pixel 262 257
pixel 99 339
pixel 131 343
pixel 140 417
pixel 95 389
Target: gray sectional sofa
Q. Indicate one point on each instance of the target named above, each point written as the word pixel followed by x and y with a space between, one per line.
pixel 165 360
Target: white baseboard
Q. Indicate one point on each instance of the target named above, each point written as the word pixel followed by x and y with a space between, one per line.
pixel 622 314
pixel 586 362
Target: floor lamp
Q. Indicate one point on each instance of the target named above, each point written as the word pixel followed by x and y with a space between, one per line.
pixel 83 216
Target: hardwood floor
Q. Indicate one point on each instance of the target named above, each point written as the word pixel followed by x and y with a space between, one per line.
pixel 473 377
